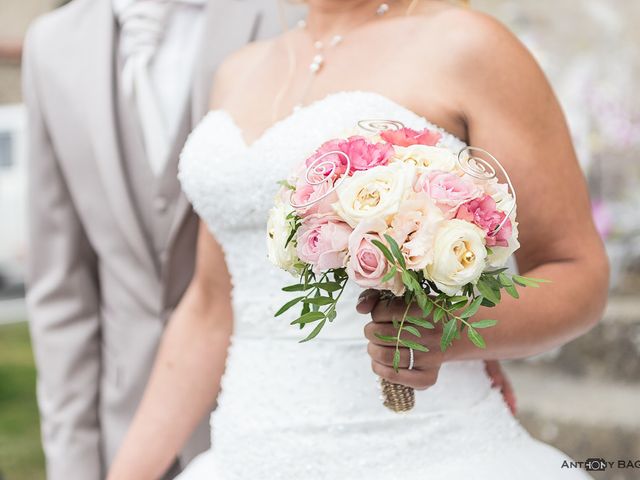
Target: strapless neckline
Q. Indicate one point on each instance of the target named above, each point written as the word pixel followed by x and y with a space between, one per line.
pixel 314 105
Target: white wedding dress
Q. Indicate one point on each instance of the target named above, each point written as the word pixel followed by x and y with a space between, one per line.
pixel 312 411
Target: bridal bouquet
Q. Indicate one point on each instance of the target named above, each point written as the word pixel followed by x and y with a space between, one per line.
pixel 391 209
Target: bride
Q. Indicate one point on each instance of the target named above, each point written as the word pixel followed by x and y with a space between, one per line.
pixel 312 411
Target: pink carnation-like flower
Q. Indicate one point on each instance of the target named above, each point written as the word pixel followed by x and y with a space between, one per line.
pixel 483 213
pixel 362 154
pixel 323 242
pixel 447 190
pixel 406 137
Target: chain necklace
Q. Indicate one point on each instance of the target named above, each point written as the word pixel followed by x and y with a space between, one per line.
pixel 319 59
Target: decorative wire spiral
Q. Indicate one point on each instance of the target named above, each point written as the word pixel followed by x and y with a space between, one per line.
pixel 378 125
pixel 319 172
pixel 481 169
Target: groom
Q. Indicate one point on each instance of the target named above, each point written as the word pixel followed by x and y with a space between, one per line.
pixel 113 88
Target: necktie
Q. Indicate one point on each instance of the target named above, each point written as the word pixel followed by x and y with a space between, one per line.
pixel 142 24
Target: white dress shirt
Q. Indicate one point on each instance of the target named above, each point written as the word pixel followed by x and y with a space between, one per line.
pixel 158 45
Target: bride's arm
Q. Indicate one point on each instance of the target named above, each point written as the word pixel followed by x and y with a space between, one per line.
pixel 186 375
pixel 508 108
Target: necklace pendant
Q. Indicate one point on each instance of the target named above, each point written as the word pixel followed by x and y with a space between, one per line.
pixel 336 40
pixel 316 64
pixel 382 9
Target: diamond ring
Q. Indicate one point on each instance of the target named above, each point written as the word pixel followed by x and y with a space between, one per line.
pixel 411 359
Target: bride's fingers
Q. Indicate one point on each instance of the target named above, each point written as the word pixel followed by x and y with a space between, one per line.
pixel 421 360
pixel 418 379
pixel 429 338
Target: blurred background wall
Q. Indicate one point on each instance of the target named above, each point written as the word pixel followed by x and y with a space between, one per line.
pixel 584 397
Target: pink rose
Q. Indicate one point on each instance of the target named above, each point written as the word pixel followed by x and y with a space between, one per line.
pixel 447 190
pixel 362 154
pixel 483 213
pixel 323 242
pixel 406 137
pixel 319 197
pixel 366 264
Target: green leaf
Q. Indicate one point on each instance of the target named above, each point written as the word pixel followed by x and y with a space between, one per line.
pixel 459 298
pixel 528 282
pixel 331 315
pixel 511 290
pixel 390 274
pixel 385 251
pixel 472 309
pixel 489 293
pixel 413 345
pixel 496 271
pixel 395 249
pixel 329 286
pixel 439 313
pixel 476 338
pixel 319 300
pixel 285 184
pixel 309 318
pixel 428 308
pixel 448 333
pixel 504 280
pixel 458 305
pixel 287 306
pixel 421 322
pixel 298 287
pixel 315 331
pixel 396 360
pixel 412 330
pixel 484 323
pixel 386 338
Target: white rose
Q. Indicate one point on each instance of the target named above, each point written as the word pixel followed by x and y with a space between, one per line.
pixel 374 193
pixel 459 256
pixel 426 157
pixel 278 231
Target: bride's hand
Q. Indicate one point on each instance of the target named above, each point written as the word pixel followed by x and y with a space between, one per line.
pixel 426 365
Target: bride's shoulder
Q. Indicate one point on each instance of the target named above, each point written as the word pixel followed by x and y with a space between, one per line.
pixel 464 34
pixel 237 65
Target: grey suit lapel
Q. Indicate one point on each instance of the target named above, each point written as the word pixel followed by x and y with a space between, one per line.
pixel 100 104
pixel 229 25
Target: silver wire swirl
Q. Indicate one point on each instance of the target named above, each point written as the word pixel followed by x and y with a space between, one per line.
pixel 318 168
pixel 481 169
pixel 380 125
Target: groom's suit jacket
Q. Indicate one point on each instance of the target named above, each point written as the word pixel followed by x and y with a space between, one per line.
pixel 102 283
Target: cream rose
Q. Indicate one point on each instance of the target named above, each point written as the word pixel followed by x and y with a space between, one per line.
pixel 278 231
pixel 426 157
pixel 459 256
pixel 374 194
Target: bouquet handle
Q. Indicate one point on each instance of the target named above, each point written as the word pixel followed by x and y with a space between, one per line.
pixel 397 398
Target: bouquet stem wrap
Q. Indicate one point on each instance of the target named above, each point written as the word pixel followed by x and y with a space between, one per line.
pixel 397 398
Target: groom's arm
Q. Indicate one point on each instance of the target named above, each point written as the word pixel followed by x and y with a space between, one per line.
pixel 62 303
pixel 186 375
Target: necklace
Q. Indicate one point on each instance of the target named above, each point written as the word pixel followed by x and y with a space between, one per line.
pixel 319 58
